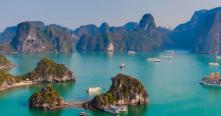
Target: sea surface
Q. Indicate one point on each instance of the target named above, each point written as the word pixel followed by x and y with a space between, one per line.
pixel 173 85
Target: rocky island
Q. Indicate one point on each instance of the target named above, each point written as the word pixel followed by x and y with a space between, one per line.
pixel 49 71
pixel 46 71
pixel 46 99
pixel 125 90
pixel 212 80
pixel 7 80
pixel 5 63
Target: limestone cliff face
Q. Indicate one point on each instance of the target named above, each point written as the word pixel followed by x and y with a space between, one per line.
pixel 6 80
pixel 201 34
pixel 49 71
pixel 35 37
pixel 142 36
pixel 5 63
pixel 125 90
pixel 46 99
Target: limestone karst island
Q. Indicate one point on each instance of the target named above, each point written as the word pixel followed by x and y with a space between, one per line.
pixel 110 58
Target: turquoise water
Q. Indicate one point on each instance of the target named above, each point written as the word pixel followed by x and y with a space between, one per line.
pixel 173 85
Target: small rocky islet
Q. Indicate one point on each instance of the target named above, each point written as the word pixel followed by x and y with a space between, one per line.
pixel 49 71
pixel 47 99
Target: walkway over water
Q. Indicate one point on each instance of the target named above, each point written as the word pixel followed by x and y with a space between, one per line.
pixel 72 104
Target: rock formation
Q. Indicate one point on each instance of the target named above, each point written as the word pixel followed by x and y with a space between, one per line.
pixel 35 37
pixel 49 71
pixel 142 36
pixel 201 34
pixel 46 99
pixel 125 90
pixel 7 80
pixel 5 63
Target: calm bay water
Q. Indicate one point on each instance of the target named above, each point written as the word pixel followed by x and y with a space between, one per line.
pixel 173 85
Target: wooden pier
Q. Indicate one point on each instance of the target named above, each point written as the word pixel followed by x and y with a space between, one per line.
pixel 73 104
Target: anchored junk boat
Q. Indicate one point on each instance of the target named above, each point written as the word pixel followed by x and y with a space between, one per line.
pixel 212 80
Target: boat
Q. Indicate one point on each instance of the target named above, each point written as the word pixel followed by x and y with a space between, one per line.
pixel 153 59
pixel 83 114
pixel 123 108
pixel 212 80
pixel 131 52
pixel 218 57
pixel 112 109
pixel 94 89
pixel 214 64
pixel 122 66
pixel 169 55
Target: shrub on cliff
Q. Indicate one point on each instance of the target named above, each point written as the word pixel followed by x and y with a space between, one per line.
pixel 48 70
pixel 45 99
pixel 125 90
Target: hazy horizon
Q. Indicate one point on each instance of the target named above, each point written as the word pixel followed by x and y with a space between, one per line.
pixel 73 13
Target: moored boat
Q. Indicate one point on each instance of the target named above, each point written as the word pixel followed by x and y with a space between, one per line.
pixel 153 59
pixel 94 89
pixel 83 114
pixel 218 57
pixel 131 52
pixel 212 80
pixel 214 64
pixel 112 109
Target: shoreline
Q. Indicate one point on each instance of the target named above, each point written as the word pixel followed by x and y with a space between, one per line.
pixel 18 84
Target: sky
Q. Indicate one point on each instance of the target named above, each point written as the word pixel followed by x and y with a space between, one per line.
pixel 73 13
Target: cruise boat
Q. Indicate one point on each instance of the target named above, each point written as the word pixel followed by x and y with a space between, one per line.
pixel 94 89
pixel 112 109
pixel 218 57
pixel 214 64
pixel 131 52
pixel 169 55
pixel 153 59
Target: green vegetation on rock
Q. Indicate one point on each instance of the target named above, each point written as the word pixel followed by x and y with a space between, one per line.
pixel 5 63
pixel 125 90
pixel 45 99
pixel 48 70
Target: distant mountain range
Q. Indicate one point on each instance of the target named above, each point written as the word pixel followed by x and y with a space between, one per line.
pixel 201 35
